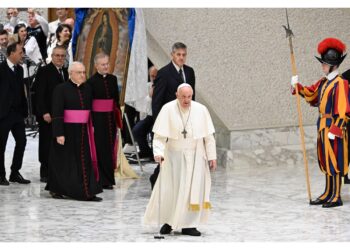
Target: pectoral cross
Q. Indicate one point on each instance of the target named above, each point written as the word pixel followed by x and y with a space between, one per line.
pixel 184 132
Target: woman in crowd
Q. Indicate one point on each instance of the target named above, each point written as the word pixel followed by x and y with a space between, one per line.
pixel 63 38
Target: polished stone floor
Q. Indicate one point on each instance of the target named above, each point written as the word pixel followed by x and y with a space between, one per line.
pixel 250 204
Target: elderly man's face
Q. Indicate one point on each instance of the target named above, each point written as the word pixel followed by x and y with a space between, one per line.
pixel 4 39
pixel 102 65
pixel 78 74
pixel 179 57
pixel 58 56
pixel 184 95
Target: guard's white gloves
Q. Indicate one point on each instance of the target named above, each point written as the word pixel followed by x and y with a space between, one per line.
pixel 294 81
pixel 331 136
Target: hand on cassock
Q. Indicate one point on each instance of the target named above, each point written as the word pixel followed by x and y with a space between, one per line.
pixel 60 140
pixel 212 165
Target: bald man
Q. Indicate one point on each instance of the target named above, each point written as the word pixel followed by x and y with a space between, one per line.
pixel 184 145
pixel 73 170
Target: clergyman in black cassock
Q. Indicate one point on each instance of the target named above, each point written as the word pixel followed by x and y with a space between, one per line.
pixel 47 78
pixel 106 118
pixel 71 171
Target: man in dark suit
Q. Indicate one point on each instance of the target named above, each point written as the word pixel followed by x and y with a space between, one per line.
pixel 47 78
pixel 13 111
pixel 165 85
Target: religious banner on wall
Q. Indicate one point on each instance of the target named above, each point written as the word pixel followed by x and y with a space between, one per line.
pixel 103 30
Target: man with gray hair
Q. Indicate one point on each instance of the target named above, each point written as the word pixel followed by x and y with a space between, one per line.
pixel 168 79
pixel 73 169
pixel 106 118
pixel 184 145
pixel 47 78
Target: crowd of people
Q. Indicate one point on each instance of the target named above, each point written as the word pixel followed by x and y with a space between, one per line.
pixel 78 119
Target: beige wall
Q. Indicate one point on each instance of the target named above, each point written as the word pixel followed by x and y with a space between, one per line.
pixel 241 58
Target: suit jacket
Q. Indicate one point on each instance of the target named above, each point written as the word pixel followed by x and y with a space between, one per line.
pixel 165 86
pixel 346 75
pixel 47 78
pixel 7 79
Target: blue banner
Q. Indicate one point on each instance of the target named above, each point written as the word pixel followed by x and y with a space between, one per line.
pixel 131 25
pixel 80 14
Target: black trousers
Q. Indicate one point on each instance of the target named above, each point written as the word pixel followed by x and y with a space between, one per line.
pixel 13 122
pixel 45 139
pixel 140 132
pixel 133 117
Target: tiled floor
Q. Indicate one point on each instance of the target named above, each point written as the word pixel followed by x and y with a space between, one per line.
pixel 255 203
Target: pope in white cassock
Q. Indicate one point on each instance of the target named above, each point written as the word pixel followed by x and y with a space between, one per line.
pixel 183 144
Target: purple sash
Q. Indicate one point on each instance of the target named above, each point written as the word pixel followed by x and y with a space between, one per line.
pixel 108 105
pixel 83 116
pixel 103 105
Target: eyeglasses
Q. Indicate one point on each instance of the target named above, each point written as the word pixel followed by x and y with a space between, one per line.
pixel 80 72
pixel 9 13
pixel 58 55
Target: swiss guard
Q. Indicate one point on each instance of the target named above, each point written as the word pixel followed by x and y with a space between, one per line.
pixel 330 95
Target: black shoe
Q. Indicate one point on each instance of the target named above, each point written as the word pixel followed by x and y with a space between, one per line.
pixel 191 231
pixel 56 196
pixel 107 186
pixel 17 177
pixel 166 229
pixel 43 179
pixel 318 201
pixel 337 203
pixel 4 181
pixel 346 179
pixel 95 198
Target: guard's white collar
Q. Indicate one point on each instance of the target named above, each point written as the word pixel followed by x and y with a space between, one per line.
pixel 332 75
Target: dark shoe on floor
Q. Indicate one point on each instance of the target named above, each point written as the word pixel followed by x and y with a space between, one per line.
pixel 17 177
pixel 191 231
pixel 338 203
pixel 95 198
pixel 107 186
pixel 56 196
pixel 43 179
pixel 346 179
pixel 318 202
pixel 166 229
pixel 4 181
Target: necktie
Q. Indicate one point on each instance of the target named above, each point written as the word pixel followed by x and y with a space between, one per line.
pixel 182 76
pixel 61 73
pixel 14 68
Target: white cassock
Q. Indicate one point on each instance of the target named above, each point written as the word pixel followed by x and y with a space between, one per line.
pixel 185 176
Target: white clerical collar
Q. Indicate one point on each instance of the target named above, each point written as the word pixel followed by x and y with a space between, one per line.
pixel 176 66
pixel 332 75
pixel 103 75
pixel 75 82
pixel 10 64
